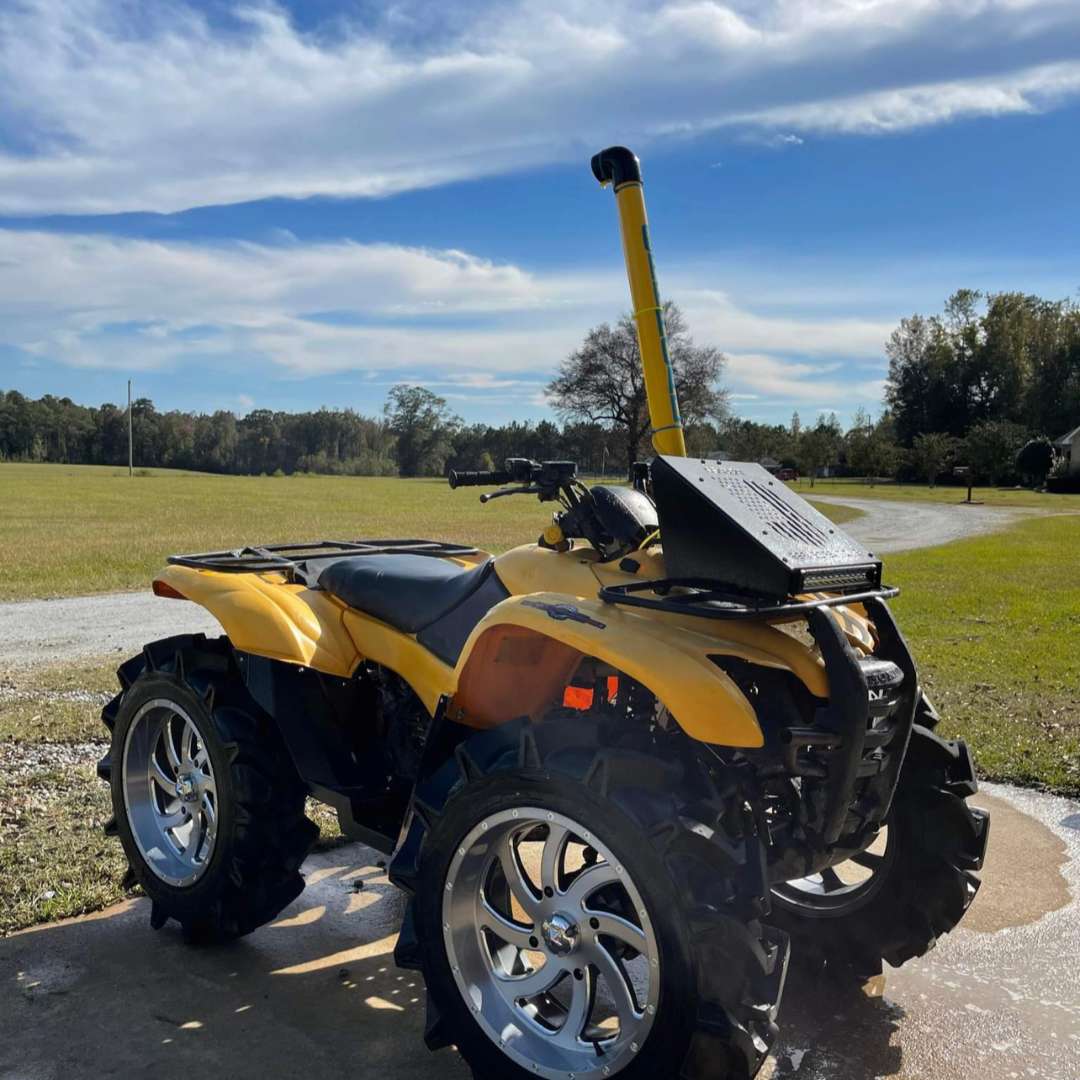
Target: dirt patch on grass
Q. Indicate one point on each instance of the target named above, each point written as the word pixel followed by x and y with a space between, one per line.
pixel 56 702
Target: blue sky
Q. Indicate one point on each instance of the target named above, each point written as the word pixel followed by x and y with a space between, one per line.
pixel 289 206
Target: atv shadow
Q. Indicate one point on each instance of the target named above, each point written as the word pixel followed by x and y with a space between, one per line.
pixel 313 992
pixel 836 1029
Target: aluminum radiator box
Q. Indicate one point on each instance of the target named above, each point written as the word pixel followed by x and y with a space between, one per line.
pixel 734 523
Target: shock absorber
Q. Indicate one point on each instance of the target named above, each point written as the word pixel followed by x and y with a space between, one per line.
pixel 620 168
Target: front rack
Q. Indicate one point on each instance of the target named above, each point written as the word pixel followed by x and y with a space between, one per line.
pixel 708 600
pixel 286 558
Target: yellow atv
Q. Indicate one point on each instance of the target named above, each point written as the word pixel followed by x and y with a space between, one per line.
pixel 620 771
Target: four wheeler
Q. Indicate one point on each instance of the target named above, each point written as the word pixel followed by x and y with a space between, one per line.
pixel 621 772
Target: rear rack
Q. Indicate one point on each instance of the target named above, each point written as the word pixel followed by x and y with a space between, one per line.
pixel 710 600
pixel 287 558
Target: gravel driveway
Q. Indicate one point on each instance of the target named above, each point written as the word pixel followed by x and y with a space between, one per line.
pixel 34 632
pixel 889 525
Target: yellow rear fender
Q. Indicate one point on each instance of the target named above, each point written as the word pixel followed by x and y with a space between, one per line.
pixel 264 615
pixel 521 655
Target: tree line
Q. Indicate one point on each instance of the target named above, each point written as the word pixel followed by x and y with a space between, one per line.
pixel 980 385
pixel 418 435
pixel 598 395
pixel 52 429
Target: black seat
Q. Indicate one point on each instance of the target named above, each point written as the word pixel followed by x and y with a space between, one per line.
pixel 406 591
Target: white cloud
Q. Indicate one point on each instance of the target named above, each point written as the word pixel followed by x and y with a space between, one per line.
pixel 98 301
pixel 120 106
pixel 490 329
pixel 797 383
pixel 899 109
pixel 773 140
pixel 716 317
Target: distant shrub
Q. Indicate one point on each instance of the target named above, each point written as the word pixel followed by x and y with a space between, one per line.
pixel 1064 485
pixel 1035 459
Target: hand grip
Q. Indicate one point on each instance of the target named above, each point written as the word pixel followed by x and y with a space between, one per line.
pixel 482 478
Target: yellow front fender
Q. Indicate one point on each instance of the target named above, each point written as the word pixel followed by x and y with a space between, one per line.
pixel 520 655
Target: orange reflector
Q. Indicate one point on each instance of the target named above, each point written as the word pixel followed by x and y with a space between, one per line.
pixel 612 687
pixel 577 697
pixel 162 588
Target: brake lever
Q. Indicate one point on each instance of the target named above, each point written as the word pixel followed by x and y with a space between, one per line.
pixel 527 490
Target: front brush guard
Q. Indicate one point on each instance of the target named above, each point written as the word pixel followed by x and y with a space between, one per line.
pixel 840 736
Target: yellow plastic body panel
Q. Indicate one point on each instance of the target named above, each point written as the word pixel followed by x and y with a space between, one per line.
pixel 579 574
pixel 263 614
pixel 672 661
pixel 429 677
pixel 519 646
pixel 531 568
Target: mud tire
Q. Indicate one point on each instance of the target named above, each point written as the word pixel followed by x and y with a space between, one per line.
pixel 722 970
pixel 926 888
pixel 263 835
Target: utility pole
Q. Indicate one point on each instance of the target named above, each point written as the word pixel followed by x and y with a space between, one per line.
pixel 131 452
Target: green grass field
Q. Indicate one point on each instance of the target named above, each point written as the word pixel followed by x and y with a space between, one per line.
pixel 69 530
pixel 990 496
pixel 994 622
pixel 73 530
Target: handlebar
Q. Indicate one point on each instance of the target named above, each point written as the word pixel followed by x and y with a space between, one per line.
pixel 547 479
pixel 481 478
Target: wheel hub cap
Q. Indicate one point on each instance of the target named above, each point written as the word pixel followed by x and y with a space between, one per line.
pixel 187 789
pixel 560 935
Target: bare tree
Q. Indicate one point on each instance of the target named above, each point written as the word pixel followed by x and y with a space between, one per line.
pixel 603 382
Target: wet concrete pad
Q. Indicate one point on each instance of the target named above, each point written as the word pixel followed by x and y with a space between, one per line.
pixel 317 991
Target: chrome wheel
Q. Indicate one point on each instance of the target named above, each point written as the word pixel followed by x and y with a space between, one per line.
pixel 170 794
pixel 550 944
pixel 842 888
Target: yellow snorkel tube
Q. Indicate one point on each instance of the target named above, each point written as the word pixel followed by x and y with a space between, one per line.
pixel 620 168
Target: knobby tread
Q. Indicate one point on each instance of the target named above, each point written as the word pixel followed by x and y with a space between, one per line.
pixel 737 964
pixel 254 870
pixel 928 887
